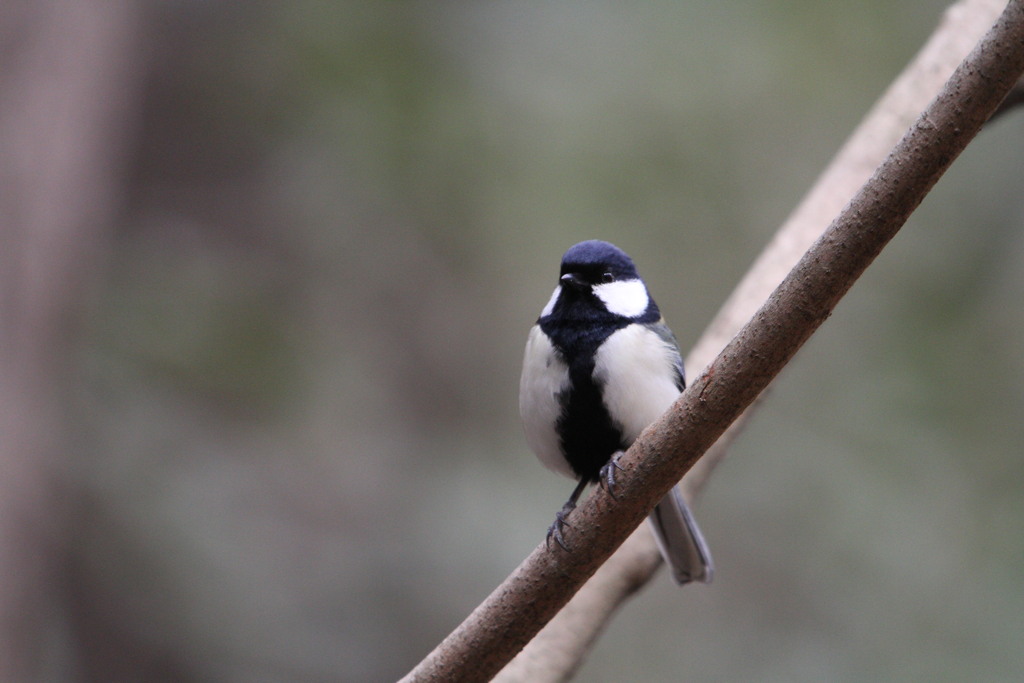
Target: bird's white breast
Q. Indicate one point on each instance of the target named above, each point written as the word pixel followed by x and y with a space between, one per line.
pixel 544 377
pixel 637 370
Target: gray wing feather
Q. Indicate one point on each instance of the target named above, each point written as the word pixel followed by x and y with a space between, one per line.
pixel 663 331
pixel 679 538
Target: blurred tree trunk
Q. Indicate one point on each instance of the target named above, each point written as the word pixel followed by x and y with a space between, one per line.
pixel 68 87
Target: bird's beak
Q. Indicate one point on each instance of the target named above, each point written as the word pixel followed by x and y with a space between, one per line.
pixel 573 280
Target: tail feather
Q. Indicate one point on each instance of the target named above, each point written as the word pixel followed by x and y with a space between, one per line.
pixel 680 540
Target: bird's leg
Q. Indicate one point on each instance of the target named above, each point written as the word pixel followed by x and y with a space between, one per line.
pixel 606 475
pixel 555 530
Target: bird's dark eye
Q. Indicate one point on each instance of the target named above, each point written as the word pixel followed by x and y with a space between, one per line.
pixel 607 277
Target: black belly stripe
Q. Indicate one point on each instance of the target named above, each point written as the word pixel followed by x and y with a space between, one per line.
pixel 587 434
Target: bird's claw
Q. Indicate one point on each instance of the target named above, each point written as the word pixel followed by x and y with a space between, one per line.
pixel 555 530
pixel 606 475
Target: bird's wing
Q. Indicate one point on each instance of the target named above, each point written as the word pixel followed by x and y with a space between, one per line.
pixel 663 331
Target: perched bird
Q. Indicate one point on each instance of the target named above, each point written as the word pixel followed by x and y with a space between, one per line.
pixel 600 366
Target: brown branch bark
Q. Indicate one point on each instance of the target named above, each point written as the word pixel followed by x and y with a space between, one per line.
pixel 544 582
pixel 1014 99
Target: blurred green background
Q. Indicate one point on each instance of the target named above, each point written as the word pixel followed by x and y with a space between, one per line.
pixel 296 422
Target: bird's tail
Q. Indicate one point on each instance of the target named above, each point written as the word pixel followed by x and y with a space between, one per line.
pixel 680 540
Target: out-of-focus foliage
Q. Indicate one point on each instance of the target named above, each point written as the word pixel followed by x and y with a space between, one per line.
pixel 299 432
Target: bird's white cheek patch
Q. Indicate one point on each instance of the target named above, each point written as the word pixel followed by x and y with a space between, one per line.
pixel 626 298
pixel 550 306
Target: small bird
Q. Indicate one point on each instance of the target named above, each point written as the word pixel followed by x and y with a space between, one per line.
pixel 600 366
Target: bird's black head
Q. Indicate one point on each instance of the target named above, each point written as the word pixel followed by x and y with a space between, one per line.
pixel 595 262
pixel 599 283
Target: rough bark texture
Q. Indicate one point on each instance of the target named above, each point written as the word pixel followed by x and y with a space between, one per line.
pixel 545 581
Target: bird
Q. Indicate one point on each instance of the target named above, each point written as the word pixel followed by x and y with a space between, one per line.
pixel 601 365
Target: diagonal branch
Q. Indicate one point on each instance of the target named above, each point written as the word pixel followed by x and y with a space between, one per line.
pixel 545 581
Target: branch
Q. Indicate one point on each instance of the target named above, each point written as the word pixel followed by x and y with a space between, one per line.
pixel 555 653
pixel 962 26
pixel 1014 99
pixel 545 581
